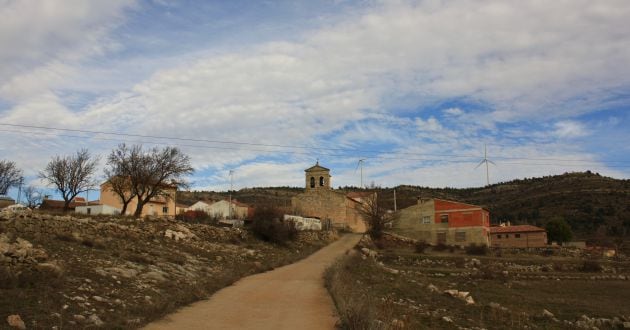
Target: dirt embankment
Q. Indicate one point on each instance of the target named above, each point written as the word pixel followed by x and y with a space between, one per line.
pixel 67 271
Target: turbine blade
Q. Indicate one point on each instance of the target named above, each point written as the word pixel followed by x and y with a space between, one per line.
pixel 480 163
pixel 491 162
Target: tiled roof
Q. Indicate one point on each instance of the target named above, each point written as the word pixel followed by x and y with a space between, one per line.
pixel 515 229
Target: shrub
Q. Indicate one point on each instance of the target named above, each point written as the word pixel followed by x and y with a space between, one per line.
pixel 421 246
pixel 440 247
pixel 477 250
pixel 196 216
pixel 268 226
pixel 591 266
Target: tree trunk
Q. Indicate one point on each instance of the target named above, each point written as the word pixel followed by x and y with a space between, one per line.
pixel 66 205
pixel 124 208
pixel 138 212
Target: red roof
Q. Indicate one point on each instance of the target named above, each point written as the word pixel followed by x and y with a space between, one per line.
pixel 515 229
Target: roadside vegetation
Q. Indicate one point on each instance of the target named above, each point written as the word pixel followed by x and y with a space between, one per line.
pixel 407 286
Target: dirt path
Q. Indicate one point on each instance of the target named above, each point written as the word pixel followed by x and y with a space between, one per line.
pixel 290 297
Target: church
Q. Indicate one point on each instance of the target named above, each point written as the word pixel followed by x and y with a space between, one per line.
pixel 319 200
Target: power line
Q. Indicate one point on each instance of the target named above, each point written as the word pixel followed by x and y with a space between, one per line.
pixel 293 152
pixel 349 150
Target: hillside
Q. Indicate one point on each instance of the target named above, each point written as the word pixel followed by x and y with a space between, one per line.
pixel 594 206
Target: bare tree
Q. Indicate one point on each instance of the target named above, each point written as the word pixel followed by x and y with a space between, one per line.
pixel 150 172
pixel 10 176
pixel 373 215
pixel 71 175
pixel 33 196
pixel 118 174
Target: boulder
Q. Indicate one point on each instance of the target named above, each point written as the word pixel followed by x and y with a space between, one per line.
pixel 15 321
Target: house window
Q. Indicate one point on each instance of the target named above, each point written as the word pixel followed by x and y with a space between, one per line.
pixel 321 181
pixel 312 182
pixel 517 235
pixel 89 210
pixel 460 236
pixel 426 219
pixel 498 236
pixel 444 218
pixel 165 209
pixel 507 235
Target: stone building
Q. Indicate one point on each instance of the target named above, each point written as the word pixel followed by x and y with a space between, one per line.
pixel 521 236
pixel 436 221
pixel 319 200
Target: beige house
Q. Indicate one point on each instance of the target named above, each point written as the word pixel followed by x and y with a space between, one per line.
pixel 520 236
pixel 163 205
pixel 320 201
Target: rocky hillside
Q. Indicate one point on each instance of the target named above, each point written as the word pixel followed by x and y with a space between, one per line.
pixel 78 272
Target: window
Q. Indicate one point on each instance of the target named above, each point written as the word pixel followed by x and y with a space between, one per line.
pixel 321 181
pixel 499 236
pixel 460 236
pixel 517 235
pixel 165 209
pixel 507 235
pixel 89 210
pixel 444 218
pixel 426 219
pixel 312 182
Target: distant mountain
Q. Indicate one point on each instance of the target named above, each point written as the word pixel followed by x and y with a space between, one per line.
pixel 594 205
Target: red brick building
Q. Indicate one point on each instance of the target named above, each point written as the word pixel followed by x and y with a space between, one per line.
pixel 442 221
pixel 522 236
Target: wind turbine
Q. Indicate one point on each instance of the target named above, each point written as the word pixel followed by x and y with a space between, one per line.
pixel 360 164
pixel 486 160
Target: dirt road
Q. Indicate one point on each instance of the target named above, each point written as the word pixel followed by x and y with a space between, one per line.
pixel 290 297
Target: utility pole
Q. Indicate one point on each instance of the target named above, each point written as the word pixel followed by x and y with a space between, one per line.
pixel 394 199
pixel 20 189
pixel 360 164
pixel 230 206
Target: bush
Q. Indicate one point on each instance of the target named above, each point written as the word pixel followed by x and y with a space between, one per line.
pixel 267 225
pixel 477 250
pixel 421 246
pixel 440 247
pixel 196 216
pixel 591 266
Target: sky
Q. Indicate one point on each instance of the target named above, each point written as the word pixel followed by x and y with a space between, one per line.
pixel 416 89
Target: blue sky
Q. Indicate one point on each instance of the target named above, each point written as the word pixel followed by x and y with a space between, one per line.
pixel 416 88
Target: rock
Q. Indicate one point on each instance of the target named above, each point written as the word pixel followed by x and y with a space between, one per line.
pixel 626 325
pixel 100 299
pixel 95 320
pixel 79 318
pixel 432 288
pixel 154 275
pixel 50 268
pixel 447 319
pixel 369 253
pixel 124 272
pixel 15 321
pixel 547 314
pixel 398 324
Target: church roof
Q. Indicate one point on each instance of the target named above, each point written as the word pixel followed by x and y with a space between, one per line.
pixel 317 167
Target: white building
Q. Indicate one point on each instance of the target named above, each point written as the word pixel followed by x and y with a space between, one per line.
pixel 221 209
pixel 97 209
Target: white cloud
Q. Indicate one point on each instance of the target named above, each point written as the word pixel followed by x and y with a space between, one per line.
pixel 569 129
pixel 517 59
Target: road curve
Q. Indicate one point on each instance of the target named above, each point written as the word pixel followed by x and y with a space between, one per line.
pixel 290 297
